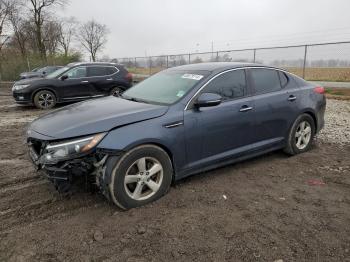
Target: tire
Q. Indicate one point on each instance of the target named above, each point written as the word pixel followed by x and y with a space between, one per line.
pixel 45 99
pixel 116 91
pixel 301 135
pixel 132 178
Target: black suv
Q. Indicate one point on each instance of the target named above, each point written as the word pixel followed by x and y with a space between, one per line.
pixel 74 82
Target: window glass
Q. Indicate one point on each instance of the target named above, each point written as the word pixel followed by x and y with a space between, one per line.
pixel 77 72
pixel 42 69
pixel 229 85
pixel 265 80
pixel 57 72
pixel 111 70
pixel 283 78
pixel 97 71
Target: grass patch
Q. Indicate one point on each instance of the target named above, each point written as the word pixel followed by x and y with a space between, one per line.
pixel 338 93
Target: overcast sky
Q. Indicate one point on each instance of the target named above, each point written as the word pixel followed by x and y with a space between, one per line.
pixel 155 27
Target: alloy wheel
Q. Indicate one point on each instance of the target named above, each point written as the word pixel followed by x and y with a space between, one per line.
pixel 143 178
pixel 45 100
pixel 303 135
pixel 116 92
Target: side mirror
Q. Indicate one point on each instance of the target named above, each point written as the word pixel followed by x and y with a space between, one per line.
pixel 44 73
pixel 208 99
pixel 64 77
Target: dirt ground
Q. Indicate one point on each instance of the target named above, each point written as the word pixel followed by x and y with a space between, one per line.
pixel 266 209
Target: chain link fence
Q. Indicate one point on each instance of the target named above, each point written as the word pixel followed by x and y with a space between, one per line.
pixel 319 62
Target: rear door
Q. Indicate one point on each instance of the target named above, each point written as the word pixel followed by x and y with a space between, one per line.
pixel 219 132
pixel 275 104
pixel 101 79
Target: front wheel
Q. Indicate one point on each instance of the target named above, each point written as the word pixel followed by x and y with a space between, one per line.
pixel 300 135
pixel 116 91
pixel 141 176
pixel 45 99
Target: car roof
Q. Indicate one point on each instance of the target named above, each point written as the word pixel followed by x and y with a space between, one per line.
pixel 93 63
pixel 216 66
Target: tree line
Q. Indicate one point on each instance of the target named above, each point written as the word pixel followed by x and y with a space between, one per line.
pixel 32 35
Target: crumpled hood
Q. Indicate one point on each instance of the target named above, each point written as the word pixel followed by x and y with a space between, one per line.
pixel 94 116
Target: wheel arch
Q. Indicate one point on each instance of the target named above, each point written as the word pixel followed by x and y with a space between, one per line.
pixel 143 143
pixel 119 86
pixel 48 88
pixel 313 115
pixel 309 112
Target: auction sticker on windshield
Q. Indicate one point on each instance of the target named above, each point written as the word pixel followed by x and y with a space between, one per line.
pixel 192 76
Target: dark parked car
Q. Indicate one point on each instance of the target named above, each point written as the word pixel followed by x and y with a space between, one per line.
pixel 74 82
pixel 179 122
pixel 39 72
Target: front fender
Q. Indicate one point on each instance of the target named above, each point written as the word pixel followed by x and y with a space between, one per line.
pixel 152 131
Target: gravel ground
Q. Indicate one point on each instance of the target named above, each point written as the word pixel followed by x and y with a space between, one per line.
pixel 337 127
pixel 271 208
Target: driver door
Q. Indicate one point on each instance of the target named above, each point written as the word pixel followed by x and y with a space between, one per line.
pixel 77 84
pixel 222 131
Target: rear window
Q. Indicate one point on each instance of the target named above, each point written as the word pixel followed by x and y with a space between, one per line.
pixel 111 70
pixel 284 79
pixel 265 80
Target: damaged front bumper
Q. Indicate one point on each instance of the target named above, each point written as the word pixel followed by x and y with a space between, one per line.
pixel 64 172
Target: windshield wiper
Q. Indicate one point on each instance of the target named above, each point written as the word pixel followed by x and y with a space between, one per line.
pixel 133 99
pixel 129 98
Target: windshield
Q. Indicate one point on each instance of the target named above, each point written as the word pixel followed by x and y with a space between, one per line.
pixel 57 72
pixel 40 70
pixel 166 87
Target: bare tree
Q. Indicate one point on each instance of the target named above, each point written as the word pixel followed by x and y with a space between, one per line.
pixel 67 32
pixel 51 36
pixel 21 29
pixel 38 8
pixel 6 9
pixel 93 37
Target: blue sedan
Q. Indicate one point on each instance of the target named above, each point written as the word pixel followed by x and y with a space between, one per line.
pixel 179 122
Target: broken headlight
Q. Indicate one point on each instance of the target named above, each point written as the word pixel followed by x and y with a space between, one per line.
pixel 71 148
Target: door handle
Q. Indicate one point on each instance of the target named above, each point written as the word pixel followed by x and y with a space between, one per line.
pixel 85 81
pixel 292 98
pixel 245 108
pixel 109 79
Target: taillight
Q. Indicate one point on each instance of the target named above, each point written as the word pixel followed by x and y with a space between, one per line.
pixel 319 90
pixel 128 77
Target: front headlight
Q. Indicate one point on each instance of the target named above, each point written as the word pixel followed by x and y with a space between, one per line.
pixel 72 148
pixel 19 87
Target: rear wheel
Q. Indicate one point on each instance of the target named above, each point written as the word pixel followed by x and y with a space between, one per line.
pixel 301 135
pixel 45 99
pixel 116 91
pixel 141 176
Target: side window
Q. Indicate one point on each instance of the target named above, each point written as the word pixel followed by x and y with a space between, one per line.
pixel 229 85
pixel 97 71
pixel 111 70
pixel 283 79
pixel 265 80
pixel 77 72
